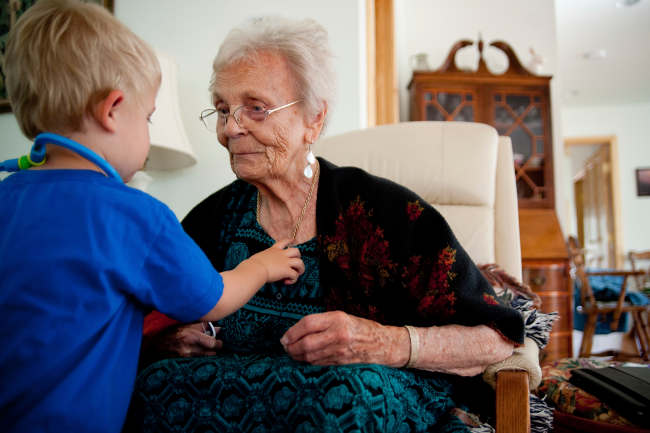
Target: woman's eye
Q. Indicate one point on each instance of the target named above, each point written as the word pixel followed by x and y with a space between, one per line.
pixel 256 108
pixel 223 111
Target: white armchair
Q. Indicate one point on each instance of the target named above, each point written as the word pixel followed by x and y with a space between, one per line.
pixel 464 170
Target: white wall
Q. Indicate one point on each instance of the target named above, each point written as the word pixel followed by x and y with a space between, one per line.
pixel 12 142
pixel 433 26
pixel 629 123
pixel 191 32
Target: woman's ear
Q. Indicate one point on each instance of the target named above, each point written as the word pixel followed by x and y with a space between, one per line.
pixel 105 110
pixel 315 125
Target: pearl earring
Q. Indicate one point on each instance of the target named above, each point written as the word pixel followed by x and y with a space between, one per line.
pixel 309 172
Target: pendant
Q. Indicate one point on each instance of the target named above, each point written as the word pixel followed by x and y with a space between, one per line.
pixel 308 172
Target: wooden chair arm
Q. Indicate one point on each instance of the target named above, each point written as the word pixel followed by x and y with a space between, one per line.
pixel 512 402
pixel 613 273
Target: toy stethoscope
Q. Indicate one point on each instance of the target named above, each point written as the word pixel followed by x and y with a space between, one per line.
pixel 36 156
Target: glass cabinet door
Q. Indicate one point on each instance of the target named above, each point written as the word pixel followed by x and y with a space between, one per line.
pixel 518 107
pixel 521 116
pixel 449 105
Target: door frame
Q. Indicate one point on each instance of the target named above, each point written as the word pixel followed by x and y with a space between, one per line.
pixel 383 91
pixel 611 144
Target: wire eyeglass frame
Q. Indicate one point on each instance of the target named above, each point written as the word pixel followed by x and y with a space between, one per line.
pixel 249 111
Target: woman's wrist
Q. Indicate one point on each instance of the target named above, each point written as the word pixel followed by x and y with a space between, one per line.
pixel 414 352
pixel 399 348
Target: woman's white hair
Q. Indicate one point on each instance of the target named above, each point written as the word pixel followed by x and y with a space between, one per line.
pixel 303 43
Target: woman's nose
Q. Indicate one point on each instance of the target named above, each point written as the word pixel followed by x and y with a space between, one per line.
pixel 231 127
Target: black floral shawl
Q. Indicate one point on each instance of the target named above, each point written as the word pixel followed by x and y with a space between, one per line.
pixel 386 254
pixel 389 256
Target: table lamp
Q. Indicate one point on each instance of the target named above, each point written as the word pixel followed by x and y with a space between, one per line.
pixel 170 148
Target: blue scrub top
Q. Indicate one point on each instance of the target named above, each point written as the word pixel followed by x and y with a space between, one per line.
pixel 82 259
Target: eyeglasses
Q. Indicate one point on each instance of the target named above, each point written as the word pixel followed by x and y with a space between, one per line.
pixel 251 113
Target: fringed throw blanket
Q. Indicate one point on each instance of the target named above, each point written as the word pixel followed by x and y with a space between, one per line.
pixel 387 255
pixel 381 253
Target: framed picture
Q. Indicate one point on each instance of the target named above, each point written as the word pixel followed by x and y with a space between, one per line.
pixel 10 11
pixel 643 181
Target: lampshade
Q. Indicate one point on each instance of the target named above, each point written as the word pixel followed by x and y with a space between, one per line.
pixel 170 148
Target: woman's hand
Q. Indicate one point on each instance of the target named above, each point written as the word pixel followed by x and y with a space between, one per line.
pixel 189 340
pixel 337 338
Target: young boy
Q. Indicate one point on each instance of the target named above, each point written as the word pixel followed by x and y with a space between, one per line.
pixel 82 256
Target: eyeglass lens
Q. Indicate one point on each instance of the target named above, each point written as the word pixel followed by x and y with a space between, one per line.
pixel 249 112
pixel 255 113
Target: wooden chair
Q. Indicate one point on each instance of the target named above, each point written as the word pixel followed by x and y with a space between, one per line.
pixel 594 309
pixel 642 281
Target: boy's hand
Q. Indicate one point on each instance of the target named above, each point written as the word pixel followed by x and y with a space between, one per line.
pixel 280 262
pixel 190 340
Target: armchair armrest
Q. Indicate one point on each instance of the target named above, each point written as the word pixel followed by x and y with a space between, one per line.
pixel 512 402
pixel 524 358
pixel 513 378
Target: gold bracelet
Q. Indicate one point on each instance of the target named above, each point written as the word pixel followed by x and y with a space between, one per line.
pixel 414 337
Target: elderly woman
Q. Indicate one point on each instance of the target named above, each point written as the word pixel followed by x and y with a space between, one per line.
pixel 388 295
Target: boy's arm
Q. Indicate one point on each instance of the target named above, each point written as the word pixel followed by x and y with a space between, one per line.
pixel 240 284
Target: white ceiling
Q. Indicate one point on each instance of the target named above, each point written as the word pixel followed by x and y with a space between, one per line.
pixel 623 76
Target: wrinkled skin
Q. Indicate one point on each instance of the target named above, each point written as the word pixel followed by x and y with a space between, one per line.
pixel 338 338
pixel 271 156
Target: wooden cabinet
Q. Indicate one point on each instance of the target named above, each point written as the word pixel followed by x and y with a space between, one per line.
pixel 545 262
pixel 517 103
pixel 550 280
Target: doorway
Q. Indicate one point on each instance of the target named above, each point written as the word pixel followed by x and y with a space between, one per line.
pixel 594 169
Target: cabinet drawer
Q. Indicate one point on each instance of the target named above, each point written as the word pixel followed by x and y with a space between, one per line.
pixel 551 282
pixel 550 278
pixel 563 306
pixel 559 346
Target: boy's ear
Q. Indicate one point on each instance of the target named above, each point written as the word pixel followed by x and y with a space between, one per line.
pixel 105 110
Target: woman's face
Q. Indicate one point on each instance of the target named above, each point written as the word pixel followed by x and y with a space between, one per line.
pixel 276 147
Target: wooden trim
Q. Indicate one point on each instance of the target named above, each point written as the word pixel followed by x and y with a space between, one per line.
pixel 370 63
pixel 611 142
pixel 385 88
pixel 586 141
pixel 528 82
pixel 512 402
pixel 541 235
pixel 616 202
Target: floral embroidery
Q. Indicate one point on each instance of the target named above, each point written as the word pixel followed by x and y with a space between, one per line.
pixel 359 248
pixel 414 209
pixel 489 299
pixel 378 265
pixel 439 298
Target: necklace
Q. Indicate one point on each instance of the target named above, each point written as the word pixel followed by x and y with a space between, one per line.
pixel 304 207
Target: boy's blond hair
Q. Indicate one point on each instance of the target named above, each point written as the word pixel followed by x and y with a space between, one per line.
pixel 64 56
